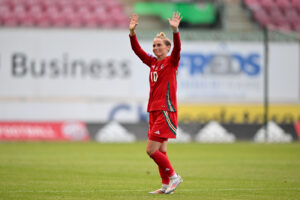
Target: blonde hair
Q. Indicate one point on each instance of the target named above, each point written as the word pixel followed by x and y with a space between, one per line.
pixel 163 36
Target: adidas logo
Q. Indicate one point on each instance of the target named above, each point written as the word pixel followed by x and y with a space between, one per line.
pixel 214 132
pixel 275 134
pixel 181 136
pixel 157 132
pixel 114 132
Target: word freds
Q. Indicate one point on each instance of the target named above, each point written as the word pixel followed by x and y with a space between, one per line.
pixel 221 64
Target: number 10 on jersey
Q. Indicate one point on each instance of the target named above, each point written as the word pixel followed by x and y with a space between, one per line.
pixel 153 76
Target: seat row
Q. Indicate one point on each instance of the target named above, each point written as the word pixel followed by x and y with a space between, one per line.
pixel 278 14
pixel 71 13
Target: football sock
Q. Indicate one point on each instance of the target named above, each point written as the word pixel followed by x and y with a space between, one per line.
pixel 163 162
pixel 173 176
pixel 164 177
pixel 164 186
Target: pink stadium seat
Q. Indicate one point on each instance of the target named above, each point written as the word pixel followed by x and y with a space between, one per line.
pixel 60 13
pixel 292 15
pixel 20 13
pixel 28 21
pixel 277 17
pixel 56 17
pixel 68 14
pixel 296 25
pixel 30 3
pixel 40 17
pixel 296 4
pixel 94 4
pixel 105 20
pixel 276 14
pixel 118 17
pixel 85 16
pixel 262 17
pixel 284 27
pixel 78 4
pixel 284 5
pixel 253 4
pixel 63 3
pixel 100 15
pixel 11 3
pixel 46 4
pixel 8 18
pixel 268 5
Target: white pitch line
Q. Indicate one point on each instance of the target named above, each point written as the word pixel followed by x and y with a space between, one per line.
pixel 181 190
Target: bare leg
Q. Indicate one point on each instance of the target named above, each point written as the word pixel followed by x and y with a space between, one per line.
pixel 152 147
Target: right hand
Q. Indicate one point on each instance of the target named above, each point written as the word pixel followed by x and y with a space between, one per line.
pixel 133 22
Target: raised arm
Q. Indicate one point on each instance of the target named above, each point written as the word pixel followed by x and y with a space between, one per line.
pixel 147 59
pixel 174 23
pixel 134 19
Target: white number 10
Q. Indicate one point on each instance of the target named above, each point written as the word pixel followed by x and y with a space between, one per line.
pixel 153 76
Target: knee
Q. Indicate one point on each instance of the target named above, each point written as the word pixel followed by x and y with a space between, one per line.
pixel 149 151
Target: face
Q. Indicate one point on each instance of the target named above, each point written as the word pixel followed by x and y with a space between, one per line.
pixel 160 49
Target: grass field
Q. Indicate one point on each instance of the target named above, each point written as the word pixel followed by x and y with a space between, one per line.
pixel 75 171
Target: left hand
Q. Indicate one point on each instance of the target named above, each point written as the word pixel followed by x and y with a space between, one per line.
pixel 174 23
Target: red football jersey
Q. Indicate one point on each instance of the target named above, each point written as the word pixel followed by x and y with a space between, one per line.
pixel 162 76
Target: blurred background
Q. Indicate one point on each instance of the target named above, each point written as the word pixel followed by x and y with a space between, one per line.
pixel 67 71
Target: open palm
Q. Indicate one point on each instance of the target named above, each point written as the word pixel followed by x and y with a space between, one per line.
pixel 133 22
pixel 175 21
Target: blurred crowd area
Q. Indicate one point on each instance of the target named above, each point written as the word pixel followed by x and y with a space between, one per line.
pixel 217 18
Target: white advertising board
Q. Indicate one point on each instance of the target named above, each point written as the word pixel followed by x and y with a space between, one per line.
pixel 86 63
pixel 68 63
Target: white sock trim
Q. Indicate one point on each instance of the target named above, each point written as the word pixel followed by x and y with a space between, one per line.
pixel 164 186
pixel 174 176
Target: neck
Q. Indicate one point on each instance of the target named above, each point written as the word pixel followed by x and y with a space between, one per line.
pixel 159 58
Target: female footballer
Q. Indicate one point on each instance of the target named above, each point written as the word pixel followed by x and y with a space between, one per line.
pixel 162 104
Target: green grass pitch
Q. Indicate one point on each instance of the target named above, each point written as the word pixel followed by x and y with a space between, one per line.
pixel 89 171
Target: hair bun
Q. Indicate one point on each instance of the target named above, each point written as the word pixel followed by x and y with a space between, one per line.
pixel 161 34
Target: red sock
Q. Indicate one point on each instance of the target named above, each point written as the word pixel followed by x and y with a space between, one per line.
pixel 164 177
pixel 163 162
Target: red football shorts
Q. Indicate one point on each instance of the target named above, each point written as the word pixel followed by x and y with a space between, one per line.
pixel 162 125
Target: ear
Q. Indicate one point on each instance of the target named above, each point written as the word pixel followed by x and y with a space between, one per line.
pixel 169 47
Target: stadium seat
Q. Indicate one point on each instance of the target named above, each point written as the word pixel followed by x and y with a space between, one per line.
pixel 94 4
pixel 56 18
pixel 292 15
pixel 252 4
pixel 9 18
pixel 20 13
pixel 296 4
pixel 73 13
pixel 277 17
pixel 268 5
pixel 262 17
pixel 280 14
pixel 284 5
pixel 86 17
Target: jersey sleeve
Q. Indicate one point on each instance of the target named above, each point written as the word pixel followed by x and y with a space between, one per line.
pixel 175 55
pixel 145 58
